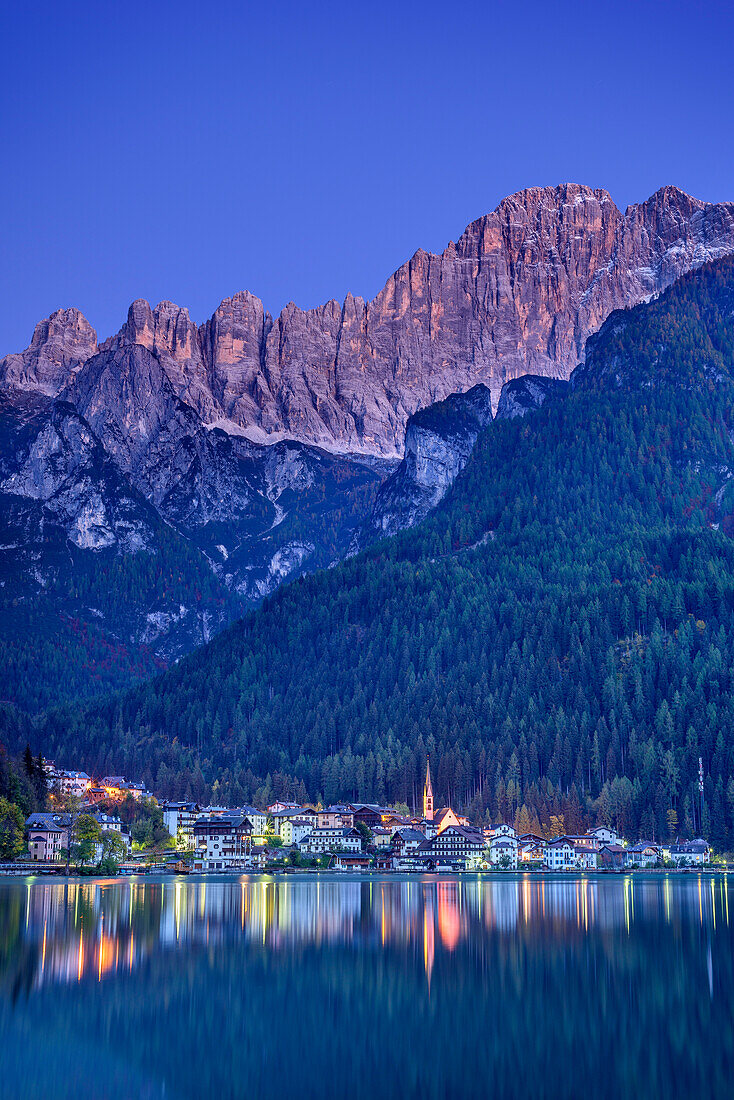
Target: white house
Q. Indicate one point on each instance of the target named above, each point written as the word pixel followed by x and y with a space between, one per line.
pixel 318 841
pixel 406 841
pixel 223 842
pixel 179 818
pixel 694 852
pixel 559 855
pixel 585 857
pixel 456 844
pixel 73 783
pixel 503 852
pixel 258 820
pixel 643 854
pixel 531 848
pixel 601 835
pixel 498 830
pixel 291 828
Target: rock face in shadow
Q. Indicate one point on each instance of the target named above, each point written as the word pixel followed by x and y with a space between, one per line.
pixel 524 395
pixel 438 442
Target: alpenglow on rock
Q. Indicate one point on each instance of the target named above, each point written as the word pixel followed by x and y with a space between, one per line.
pixel 518 293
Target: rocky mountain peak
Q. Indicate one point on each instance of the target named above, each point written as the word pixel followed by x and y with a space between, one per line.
pixel 167 330
pixel 60 344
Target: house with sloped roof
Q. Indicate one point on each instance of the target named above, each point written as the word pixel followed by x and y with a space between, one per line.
pixel 693 852
pixel 318 841
pixel 602 834
pixel 292 827
pixel 503 852
pixel 585 857
pixel 643 854
pixel 558 855
pixel 456 844
pixel 223 842
pixel 406 840
pixel 612 857
pixel 48 836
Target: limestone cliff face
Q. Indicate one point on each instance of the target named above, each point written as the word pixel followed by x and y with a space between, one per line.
pixel 172 337
pixel 524 395
pixel 55 477
pixel 438 442
pixel 518 293
pixel 59 346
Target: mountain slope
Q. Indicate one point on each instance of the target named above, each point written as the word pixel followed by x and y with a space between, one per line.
pixel 131 534
pixel 260 444
pixel 559 633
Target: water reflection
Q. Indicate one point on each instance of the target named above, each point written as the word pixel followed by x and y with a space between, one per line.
pixel 325 988
pixel 98 929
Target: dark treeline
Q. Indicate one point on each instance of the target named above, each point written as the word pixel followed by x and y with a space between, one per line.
pixel 558 635
pixel 22 790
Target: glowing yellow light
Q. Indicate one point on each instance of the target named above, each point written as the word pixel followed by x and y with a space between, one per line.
pixel 667 898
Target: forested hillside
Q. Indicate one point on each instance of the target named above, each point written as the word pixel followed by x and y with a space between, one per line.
pixel 559 634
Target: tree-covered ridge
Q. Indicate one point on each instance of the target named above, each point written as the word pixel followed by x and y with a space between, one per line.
pixel 684 337
pixel 559 634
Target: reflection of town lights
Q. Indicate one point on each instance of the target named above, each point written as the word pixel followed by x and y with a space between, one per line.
pixel 725 888
pixel 449 924
pixel 386 912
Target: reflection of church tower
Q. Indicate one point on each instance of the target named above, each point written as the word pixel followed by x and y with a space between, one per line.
pixel 428 794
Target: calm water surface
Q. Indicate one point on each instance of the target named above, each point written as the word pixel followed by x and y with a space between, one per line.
pixel 318 988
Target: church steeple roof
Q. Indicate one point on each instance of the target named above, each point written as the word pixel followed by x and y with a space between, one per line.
pixel 428 794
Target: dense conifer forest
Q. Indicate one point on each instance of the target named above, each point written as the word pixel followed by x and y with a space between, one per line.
pixel 558 634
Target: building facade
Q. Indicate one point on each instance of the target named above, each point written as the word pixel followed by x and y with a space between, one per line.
pixel 318 841
pixel 223 842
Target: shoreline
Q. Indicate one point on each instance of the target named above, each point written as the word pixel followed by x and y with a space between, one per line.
pixel 368 873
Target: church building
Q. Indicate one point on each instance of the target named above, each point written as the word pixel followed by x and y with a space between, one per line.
pixel 434 823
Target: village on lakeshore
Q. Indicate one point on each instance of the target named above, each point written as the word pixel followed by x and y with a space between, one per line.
pixel 96 825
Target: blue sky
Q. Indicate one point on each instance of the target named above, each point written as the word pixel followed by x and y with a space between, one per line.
pixel 300 150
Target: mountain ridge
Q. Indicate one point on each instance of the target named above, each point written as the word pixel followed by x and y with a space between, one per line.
pixel 518 293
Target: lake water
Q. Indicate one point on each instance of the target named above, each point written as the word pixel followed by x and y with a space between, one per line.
pixel 320 988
